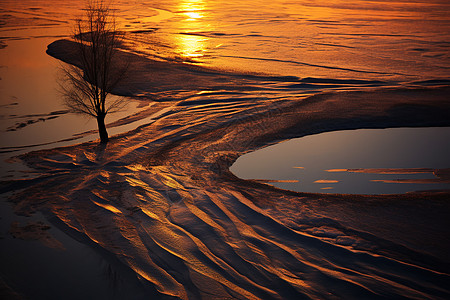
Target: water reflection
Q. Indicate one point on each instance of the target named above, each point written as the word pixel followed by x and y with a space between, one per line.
pixel 189 45
pixel 193 9
pixel 365 161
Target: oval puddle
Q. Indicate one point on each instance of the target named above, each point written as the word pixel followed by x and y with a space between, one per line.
pixel 363 161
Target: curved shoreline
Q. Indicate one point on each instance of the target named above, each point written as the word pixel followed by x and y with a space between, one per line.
pixel 161 199
pixel 179 164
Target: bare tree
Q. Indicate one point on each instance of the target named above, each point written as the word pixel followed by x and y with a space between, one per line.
pixel 86 86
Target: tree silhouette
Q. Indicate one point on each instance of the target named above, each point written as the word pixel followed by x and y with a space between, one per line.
pixel 86 87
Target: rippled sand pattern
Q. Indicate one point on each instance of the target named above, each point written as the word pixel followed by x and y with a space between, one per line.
pixel 161 199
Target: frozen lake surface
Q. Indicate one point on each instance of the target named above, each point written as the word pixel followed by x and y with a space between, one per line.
pixel 157 210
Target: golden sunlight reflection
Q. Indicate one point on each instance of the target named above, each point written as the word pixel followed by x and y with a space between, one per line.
pixel 189 45
pixel 193 15
pixel 193 9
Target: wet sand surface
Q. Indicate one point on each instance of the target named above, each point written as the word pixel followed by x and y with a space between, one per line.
pixel 162 200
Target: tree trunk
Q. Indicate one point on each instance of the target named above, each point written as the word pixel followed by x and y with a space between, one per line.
pixel 102 128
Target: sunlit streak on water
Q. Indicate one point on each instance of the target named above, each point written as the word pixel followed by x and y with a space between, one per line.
pixel 191 45
pixel 187 45
pixel 192 9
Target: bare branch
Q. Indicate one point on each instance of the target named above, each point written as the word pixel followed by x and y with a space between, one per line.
pixel 86 89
